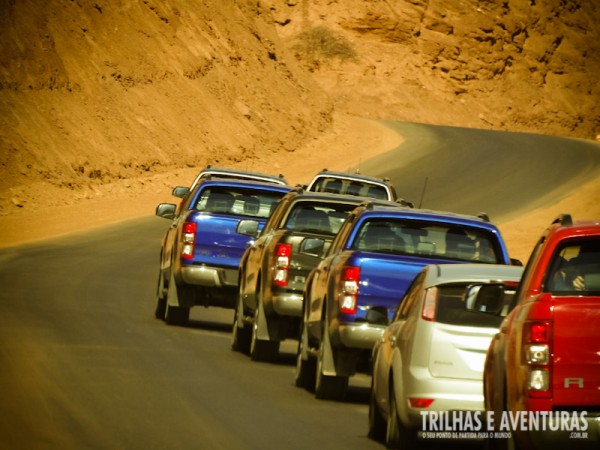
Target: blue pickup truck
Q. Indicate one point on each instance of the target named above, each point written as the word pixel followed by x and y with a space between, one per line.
pixel 202 248
pixel 353 292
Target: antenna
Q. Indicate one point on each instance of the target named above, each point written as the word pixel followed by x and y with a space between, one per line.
pixel 423 193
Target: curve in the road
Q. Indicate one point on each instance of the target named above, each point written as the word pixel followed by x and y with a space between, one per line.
pixel 468 170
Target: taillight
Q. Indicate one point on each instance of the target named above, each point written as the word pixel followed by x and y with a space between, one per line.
pixel 188 239
pixel 349 280
pixel 537 351
pixel 420 402
pixel 283 255
pixel 430 304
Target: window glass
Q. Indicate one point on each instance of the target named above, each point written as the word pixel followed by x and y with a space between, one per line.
pixel 452 307
pixel 350 187
pixel 238 201
pixel 317 217
pixel 428 239
pixel 575 269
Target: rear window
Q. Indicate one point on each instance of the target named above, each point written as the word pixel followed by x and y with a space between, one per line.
pixel 575 269
pixel 454 308
pixel 350 187
pixel 238 201
pixel 428 239
pixel 317 217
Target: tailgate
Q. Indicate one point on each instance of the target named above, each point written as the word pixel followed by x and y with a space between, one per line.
pixel 217 241
pixel 384 279
pixel 459 351
pixel 576 351
pixel 304 257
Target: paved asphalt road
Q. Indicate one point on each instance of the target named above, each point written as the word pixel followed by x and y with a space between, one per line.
pixel 471 171
pixel 84 364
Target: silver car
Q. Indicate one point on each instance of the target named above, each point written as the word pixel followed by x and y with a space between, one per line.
pixel 431 356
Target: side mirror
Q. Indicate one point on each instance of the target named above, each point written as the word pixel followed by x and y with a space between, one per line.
pixel 516 262
pixel 248 227
pixel 312 246
pixel 180 191
pixel 486 298
pixel 166 210
pixel 377 315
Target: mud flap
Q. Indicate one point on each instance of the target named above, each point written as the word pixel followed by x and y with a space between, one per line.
pixel 178 295
pixel 262 331
pixel 269 329
pixel 239 312
pixel 337 362
pixel 172 297
pixel 328 361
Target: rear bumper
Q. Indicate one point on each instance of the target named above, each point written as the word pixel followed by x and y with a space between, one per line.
pixel 287 304
pixel 448 394
pixel 209 276
pixel 361 335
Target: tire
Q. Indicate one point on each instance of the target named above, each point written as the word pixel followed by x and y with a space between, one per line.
pixel 176 315
pixel 397 434
pixel 377 424
pixel 240 336
pixel 161 298
pixel 305 368
pixel 261 350
pixel 328 387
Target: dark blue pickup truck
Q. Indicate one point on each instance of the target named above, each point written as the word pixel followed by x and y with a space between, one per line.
pixel 202 248
pixel 355 289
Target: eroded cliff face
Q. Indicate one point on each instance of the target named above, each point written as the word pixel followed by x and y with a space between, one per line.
pixel 98 93
pixel 94 92
pixel 521 65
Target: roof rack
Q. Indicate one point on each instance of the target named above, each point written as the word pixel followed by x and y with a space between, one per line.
pixel 563 219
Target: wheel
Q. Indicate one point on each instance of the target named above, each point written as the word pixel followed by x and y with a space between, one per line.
pixel 161 298
pixel 305 368
pixel 377 424
pixel 397 435
pixel 328 387
pixel 176 315
pixel 240 335
pixel 261 350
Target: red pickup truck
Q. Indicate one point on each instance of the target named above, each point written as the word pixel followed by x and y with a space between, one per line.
pixel 542 370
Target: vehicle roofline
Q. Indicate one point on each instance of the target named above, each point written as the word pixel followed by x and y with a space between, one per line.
pixel 351 176
pixel 391 211
pixel 244 183
pixel 472 272
pixel 214 170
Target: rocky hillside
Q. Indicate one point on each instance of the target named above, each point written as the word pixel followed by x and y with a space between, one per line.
pixel 101 93
pixel 521 65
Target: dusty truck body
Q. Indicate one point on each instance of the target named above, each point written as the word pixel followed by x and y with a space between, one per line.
pixel 274 269
pixel 202 248
pixel 350 296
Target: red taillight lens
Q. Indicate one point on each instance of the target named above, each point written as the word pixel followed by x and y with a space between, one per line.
pixel 188 240
pixel 349 280
pixel 538 333
pixel 420 402
pixel 283 255
pixel 430 304
pixel 537 352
